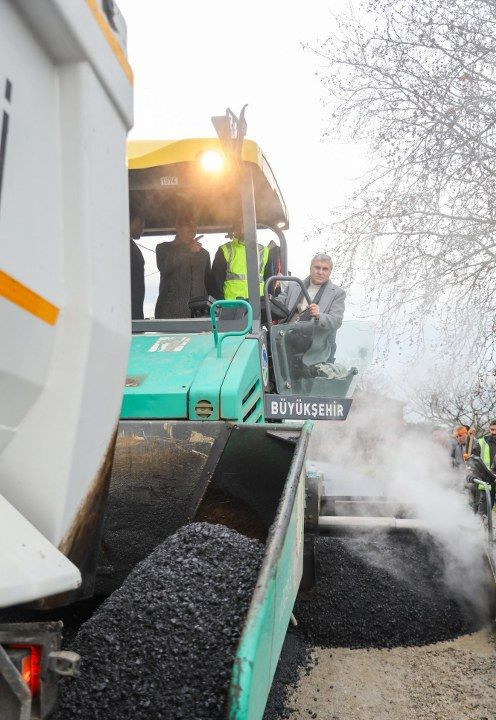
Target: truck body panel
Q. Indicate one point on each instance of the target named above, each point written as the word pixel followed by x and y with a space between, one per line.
pixel 66 102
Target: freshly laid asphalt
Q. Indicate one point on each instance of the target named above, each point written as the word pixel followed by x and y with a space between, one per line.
pixel 379 592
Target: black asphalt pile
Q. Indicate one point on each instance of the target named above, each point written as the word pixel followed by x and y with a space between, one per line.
pixel 162 645
pixel 384 592
pixel 295 660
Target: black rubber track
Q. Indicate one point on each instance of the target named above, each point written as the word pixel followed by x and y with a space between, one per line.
pixel 383 592
pixel 162 645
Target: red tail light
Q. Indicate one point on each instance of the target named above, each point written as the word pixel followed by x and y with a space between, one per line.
pixel 31 665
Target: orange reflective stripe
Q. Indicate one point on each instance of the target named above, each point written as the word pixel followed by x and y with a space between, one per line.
pixel 20 295
pixel 110 38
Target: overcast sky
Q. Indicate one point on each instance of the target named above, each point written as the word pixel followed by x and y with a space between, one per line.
pixel 193 59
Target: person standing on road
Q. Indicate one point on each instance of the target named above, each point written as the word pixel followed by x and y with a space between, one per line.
pixel 486 447
pixel 458 445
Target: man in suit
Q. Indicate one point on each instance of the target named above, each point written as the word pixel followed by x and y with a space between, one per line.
pixel 325 310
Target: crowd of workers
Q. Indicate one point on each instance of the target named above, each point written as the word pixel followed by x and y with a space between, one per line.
pixel 464 442
pixel 464 446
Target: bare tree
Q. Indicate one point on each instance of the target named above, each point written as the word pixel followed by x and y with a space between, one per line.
pixel 415 80
pixel 455 402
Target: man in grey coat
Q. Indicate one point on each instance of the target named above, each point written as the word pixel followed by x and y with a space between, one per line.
pixel 323 315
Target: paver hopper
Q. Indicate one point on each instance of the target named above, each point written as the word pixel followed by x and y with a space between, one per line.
pixel 248 477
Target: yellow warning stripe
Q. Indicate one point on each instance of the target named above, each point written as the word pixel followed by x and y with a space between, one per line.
pixel 25 298
pixel 110 38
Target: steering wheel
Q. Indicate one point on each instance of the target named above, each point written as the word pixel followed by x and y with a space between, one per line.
pixel 279 310
pixel 200 306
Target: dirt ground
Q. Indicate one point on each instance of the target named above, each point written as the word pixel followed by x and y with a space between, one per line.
pixel 453 680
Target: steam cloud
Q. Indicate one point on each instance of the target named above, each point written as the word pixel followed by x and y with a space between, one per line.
pixel 375 453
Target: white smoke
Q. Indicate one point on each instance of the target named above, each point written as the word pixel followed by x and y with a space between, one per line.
pixel 375 453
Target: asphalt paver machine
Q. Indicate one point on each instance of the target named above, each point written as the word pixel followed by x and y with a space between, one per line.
pixel 213 384
pixel 193 441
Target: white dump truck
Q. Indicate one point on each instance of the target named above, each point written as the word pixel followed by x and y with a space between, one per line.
pixel 65 110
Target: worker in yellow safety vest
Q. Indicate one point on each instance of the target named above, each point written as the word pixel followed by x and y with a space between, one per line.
pixel 486 446
pixel 229 276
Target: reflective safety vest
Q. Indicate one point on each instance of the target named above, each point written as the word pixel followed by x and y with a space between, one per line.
pixel 484 452
pixel 236 283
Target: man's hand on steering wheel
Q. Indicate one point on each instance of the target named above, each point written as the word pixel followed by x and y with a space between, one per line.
pixel 314 310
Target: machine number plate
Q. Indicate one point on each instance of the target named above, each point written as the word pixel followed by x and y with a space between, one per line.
pixel 297 407
pixel 169 180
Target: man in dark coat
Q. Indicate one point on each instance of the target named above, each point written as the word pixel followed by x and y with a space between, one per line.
pixel 184 269
pixel 136 226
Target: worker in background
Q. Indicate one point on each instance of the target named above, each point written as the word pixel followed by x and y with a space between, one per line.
pixel 326 307
pixel 486 447
pixel 184 268
pixel 136 227
pixel 458 445
pixel 229 276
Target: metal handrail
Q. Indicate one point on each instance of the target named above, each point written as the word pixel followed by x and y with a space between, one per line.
pixel 219 338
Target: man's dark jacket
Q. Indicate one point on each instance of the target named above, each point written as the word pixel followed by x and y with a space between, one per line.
pixel 183 277
pixel 137 281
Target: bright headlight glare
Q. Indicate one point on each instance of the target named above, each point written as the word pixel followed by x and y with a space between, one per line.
pixel 212 161
pixel 281 224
